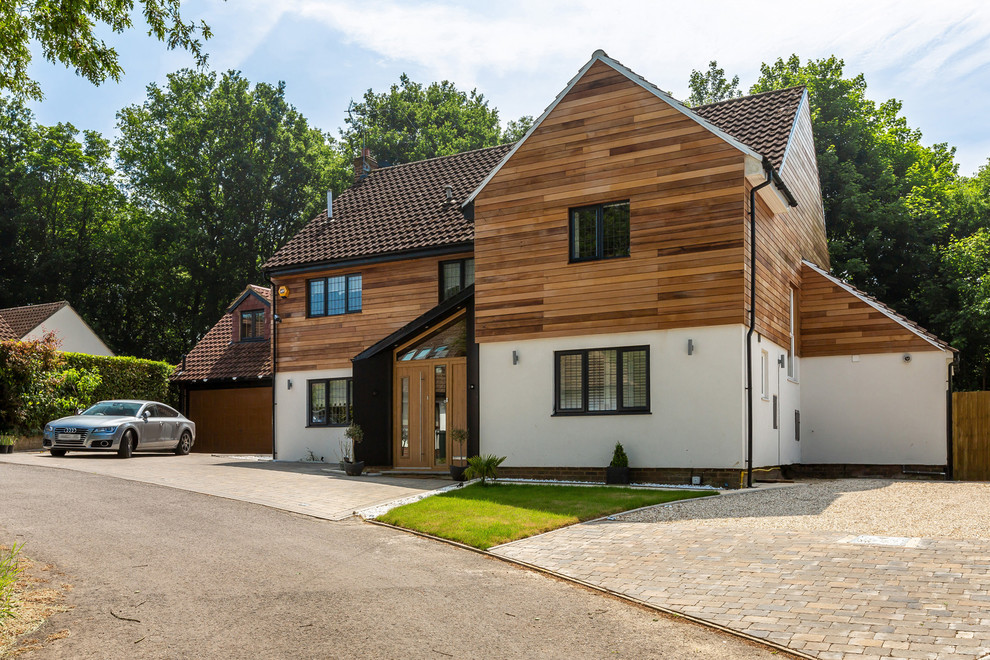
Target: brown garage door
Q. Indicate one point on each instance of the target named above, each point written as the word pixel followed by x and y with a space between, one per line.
pixel 232 421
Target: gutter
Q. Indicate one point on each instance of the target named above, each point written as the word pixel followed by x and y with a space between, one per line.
pixel 752 320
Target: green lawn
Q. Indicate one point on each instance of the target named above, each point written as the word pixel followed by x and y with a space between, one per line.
pixel 487 516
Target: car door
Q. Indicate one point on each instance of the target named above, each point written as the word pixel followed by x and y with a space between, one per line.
pixel 150 428
pixel 170 426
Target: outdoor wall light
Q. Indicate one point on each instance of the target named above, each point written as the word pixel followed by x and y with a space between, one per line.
pixel 515 357
pixel 289 384
pixel 690 347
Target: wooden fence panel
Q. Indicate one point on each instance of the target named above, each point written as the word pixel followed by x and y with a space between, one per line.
pixel 971 436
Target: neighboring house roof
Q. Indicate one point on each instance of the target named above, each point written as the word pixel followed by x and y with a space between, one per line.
pixel 252 290
pixel 6 332
pixel 23 320
pixel 905 322
pixel 216 357
pixel 762 121
pixel 395 209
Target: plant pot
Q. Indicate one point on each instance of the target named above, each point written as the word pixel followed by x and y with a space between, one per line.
pixel 616 475
pixel 354 469
pixel 6 449
pixel 457 472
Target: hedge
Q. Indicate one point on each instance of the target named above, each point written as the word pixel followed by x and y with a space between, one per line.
pixel 39 383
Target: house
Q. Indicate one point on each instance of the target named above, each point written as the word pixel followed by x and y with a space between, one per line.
pixel 226 379
pixel 34 321
pixel 631 270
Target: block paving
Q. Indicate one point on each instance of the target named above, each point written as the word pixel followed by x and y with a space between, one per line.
pixel 817 593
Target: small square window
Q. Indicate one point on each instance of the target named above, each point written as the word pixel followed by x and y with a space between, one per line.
pixel 600 231
pixel 253 324
pixel 455 276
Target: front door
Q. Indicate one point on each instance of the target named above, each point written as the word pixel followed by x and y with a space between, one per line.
pixel 430 400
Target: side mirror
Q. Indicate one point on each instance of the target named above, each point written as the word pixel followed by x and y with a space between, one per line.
pixel 145 415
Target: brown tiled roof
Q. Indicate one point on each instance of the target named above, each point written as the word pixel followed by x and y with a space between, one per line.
pixel 23 320
pixel 762 122
pixel 215 356
pixel 263 291
pixel 879 306
pixel 395 209
pixel 6 332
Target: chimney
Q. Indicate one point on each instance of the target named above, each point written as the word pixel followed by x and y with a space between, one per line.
pixel 363 164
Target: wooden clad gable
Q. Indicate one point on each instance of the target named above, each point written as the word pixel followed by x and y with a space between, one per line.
pixel 609 139
pixel 836 321
pixel 394 293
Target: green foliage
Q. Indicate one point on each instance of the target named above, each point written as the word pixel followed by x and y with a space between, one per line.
pixel 10 571
pixel 7 440
pixel 69 32
pixel 484 517
pixel 517 128
pixel 711 86
pixel 38 383
pixel 967 263
pixel 483 467
pixel 619 458
pixel 411 122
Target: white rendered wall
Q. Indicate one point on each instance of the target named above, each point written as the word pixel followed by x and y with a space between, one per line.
pixel 76 336
pixel 293 440
pixel 877 410
pixel 774 446
pixel 697 403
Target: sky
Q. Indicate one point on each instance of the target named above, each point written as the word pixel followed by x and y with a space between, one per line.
pixel 933 56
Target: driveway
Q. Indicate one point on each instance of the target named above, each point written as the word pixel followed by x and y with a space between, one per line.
pixel 298 487
pixel 845 569
pixel 206 577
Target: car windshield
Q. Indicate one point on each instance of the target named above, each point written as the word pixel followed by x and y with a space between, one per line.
pixel 114 409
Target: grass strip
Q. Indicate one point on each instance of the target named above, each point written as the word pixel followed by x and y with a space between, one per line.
pixel 486 516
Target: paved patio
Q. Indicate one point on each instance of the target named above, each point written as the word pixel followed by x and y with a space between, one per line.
pixel 827 594
pixel 298 487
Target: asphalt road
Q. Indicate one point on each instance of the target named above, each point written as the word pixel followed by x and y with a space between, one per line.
pixel 214 578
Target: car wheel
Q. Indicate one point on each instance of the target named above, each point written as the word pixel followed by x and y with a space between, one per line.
pixel 185 444
pixel 58 452
pixel 126 445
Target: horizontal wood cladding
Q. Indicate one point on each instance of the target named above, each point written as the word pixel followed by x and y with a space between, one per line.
pixel 607 140
pixel 394 293
pixel 784 240
pixel 836 322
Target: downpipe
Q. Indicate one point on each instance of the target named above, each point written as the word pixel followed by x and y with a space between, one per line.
pixel 752 325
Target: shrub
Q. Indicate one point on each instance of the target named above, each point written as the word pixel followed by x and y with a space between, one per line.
pixel 10 570
pixel 483 467
pixel 619 458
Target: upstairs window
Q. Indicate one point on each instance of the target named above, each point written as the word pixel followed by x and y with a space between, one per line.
pixel 602 381
pixel 455 276
pixel 253 324
pixel 330 296
pixel 600 231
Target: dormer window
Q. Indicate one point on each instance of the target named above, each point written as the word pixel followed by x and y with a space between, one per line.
pixel 253 324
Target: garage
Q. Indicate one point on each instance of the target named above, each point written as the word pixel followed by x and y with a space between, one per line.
pixel 232 420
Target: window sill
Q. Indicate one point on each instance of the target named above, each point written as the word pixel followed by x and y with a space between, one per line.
pixel 601 413
pixel 327 426
pixel 793 380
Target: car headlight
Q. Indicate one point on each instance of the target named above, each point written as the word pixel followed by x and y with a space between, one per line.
pixel 105 429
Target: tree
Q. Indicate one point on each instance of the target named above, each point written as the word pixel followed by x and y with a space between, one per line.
pixel 711 86
pixel 968 265
pixel 411 122
pixel 67 32
pixel 225 174
pixel 517 128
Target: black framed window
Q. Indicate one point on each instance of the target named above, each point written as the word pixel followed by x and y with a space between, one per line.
pixel 330 402
pixel 602 381
pixel 600 231
pixel 330 296
pixel 455 276
pixel 252 324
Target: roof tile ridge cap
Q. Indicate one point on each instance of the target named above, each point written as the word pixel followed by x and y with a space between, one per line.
pixel 749 96
pixel 429 160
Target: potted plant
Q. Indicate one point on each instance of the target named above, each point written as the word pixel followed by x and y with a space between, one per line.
pixel 458 438
pixel 7 443
pixel 354 435
pixel 617 471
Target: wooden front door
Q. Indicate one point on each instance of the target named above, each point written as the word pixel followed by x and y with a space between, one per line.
pixel 430 400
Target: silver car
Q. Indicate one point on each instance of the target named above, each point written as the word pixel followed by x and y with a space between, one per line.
pixel 123 426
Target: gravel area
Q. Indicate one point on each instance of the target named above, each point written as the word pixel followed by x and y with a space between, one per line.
pixel 882 507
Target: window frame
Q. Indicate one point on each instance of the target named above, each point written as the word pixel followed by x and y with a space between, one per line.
pixel 463 268
pixel 348 278
pixel 349 389
pixel 599 232
pixel 260 327
pixel 620 409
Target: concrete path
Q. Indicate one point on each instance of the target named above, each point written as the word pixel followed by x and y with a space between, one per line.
pixel 827 594
pixel 298 487
pixel 203 577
